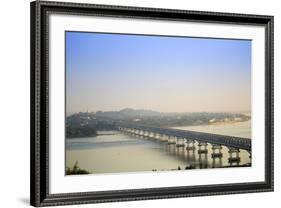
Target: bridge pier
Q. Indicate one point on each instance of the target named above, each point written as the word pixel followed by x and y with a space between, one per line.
pixel 203 160
pixel 234 158
pixel 202 148
pixel 157 136
pixel 151 135
pixel 146 133
pixel 191 154
pixel 171 140
pixel 202 152
pixel 140 132
pixel 133 131
pixel 190 145
pixel 163 138
pixel 167 134
pixel 216 151
pixel 217 163
pixel 180 142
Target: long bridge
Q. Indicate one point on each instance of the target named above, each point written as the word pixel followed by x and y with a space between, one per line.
pixel 182 137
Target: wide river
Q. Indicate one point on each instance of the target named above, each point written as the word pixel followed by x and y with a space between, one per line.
pixel 118 152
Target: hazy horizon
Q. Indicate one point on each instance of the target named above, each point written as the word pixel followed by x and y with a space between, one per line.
pixel 89 111
pixel 110 72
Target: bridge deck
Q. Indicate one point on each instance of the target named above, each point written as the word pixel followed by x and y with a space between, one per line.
pixel 229 141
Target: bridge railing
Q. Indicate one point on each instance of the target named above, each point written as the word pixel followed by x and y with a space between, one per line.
pixel 230 141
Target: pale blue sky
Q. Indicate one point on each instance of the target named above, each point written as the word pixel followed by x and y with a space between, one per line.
pixel 168 74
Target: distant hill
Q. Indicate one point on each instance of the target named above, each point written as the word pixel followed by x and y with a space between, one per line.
pixel 127 113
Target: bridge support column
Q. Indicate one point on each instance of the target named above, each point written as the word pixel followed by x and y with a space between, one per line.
pixel 216 151
pixel 157 136
pixel 202 152
pixel 138 133
pixel 171 140
pixel 145 134
pixel 234 158
pixel 163 137
pixel 190 145
pixel 216 154
pixel 180 142
pixel 202 148
pixel 190 149
pixel 133 131
pixel 217 162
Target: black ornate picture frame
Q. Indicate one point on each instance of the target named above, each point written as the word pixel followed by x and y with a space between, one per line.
pixel 40 106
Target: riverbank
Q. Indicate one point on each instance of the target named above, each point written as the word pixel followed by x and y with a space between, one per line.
pixel 102 133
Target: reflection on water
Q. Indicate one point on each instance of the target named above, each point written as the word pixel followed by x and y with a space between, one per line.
pixel 130 153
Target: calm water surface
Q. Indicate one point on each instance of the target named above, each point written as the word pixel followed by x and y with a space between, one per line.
pixel 128 153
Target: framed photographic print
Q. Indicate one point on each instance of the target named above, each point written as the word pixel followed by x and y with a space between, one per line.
pixel 131 103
